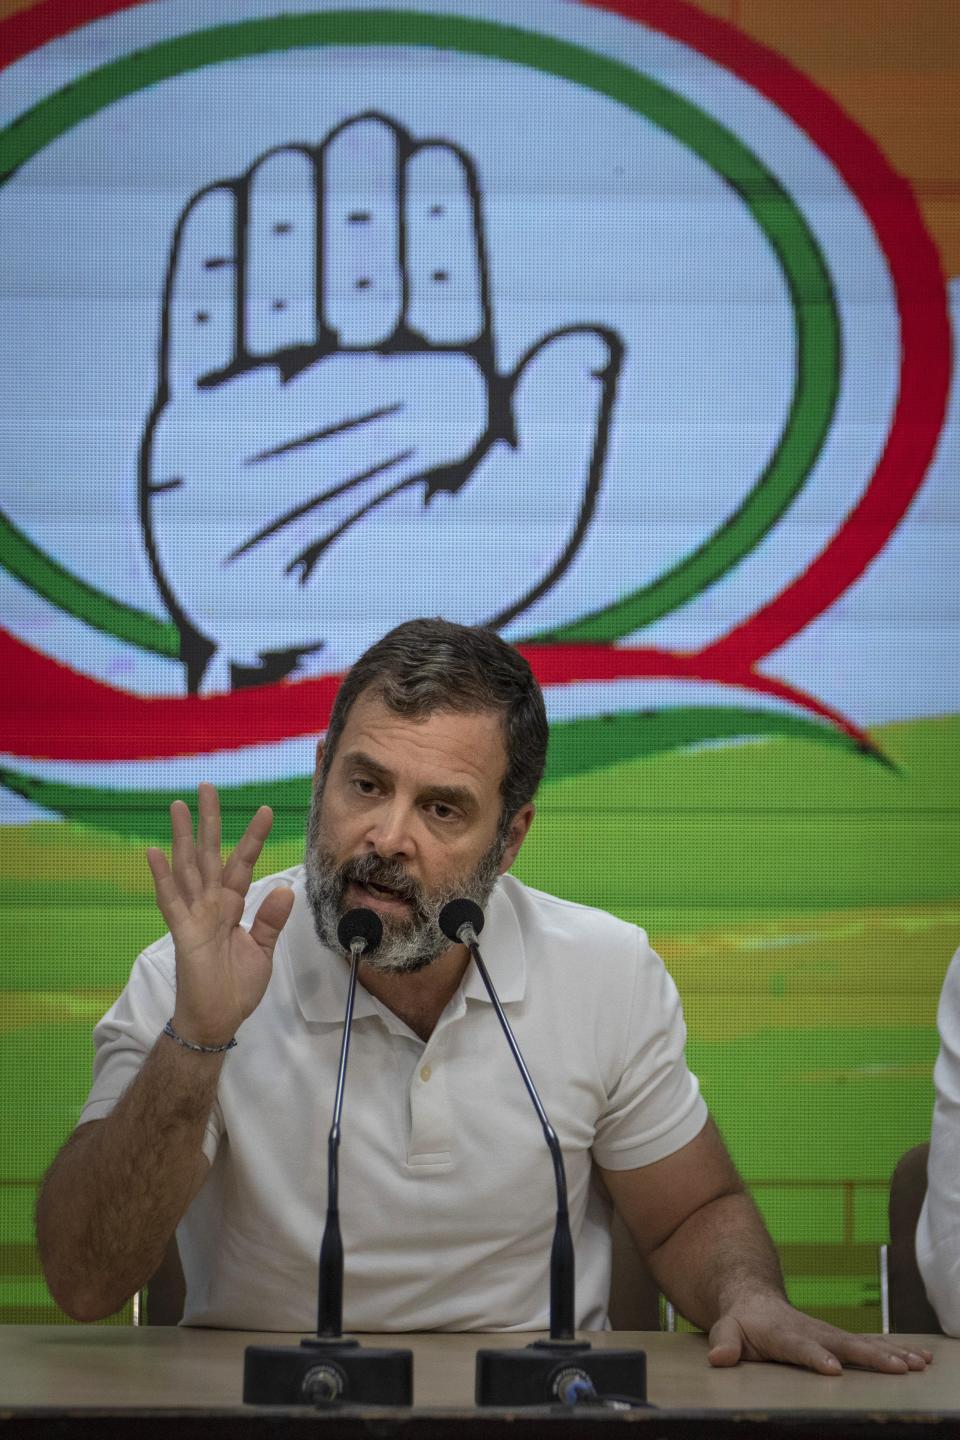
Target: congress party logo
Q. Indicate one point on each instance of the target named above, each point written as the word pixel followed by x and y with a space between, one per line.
pixel 338 314
pixel 328 374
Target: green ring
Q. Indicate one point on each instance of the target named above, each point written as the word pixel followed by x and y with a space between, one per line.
pixel 817 324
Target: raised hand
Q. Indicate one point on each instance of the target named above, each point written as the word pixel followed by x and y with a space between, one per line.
pixel 330 422
pixel 222 968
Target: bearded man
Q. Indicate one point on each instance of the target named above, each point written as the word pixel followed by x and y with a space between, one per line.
pixel 216 1067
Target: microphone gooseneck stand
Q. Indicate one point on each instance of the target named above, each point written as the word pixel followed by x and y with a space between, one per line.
pixel 331 1366
pixel 561 1370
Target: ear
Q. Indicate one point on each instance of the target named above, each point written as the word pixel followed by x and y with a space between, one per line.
pixel 321 750
pixel 519 826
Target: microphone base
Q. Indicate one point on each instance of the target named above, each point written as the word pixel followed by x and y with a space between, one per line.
pixel 540 1373
pixel 322 1371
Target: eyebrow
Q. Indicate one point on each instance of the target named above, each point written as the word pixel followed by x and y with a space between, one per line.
pixel 460 795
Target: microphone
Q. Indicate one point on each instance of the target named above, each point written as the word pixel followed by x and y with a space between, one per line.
pixel 343 1370
pixel 461 920
pixel 543 1372
pixel 359 932
pixel 360 927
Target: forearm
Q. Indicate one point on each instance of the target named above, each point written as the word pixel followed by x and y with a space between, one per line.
pixel 720 1253
pixel 114 1194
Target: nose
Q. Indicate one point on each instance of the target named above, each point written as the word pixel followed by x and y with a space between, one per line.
pixel 390 832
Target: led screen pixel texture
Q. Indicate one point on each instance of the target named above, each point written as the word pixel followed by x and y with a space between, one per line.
pixel 629 333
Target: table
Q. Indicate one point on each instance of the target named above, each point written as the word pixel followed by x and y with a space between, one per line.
pixel 107 1380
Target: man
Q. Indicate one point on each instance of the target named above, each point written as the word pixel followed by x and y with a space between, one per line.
pixel 938 1229
pixel 424 791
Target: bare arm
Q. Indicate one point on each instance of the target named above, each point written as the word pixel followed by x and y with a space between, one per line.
pixel 708 1249
pixel 700 1233
pixel 114 1194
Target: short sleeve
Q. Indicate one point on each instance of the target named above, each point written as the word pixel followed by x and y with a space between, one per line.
pixel 128 1032
pixel 654 1107
pixel 938 1231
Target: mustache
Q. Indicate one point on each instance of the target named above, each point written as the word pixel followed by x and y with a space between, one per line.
pixel 366 868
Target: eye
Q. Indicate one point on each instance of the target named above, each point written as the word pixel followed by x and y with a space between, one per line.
pixel 442 811
pixel 364 786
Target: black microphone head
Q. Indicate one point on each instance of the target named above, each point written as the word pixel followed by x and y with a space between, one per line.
pixel 457 913
pixel 360 924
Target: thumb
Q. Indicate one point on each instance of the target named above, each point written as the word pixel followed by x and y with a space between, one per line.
pixel 271 918
pixel 726 1342
pixel 563 391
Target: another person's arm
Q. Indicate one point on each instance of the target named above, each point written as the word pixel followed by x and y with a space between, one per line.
pixel 938 1231
pixel 116 1191
pixel 708 1249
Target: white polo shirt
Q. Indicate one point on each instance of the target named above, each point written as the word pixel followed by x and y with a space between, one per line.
pixel 447 1197
pixel 938 1228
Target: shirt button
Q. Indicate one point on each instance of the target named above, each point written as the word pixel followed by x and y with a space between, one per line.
pixel 425 1072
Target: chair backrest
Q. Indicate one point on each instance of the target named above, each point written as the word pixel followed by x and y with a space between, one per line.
pixel 634 1297
pixel 910 1310
pixel 166 1289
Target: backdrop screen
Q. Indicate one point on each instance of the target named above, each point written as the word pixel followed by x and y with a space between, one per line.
pixel 624 327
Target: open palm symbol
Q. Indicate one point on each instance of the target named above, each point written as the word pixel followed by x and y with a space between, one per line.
pixel 328 394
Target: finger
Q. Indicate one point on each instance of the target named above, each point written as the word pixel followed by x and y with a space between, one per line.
pixel 915 1358
pixel 813 1357
pixel 562 404
pixel 200 304
pixel 873 1352
pixel 793 1344
pixel 184 853
pixel 271 918
pixel 208 835
pixel 445 264
pixel 870 1354
pixel 362 283
pixel 169 902
pixel 279 280
pixel 560 385
pixel 238 871
pixel 726 1344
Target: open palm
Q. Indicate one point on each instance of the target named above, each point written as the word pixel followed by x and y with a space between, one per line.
pixel 222 968
pixel 328 394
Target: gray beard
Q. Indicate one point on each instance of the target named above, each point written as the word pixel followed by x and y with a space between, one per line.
pixel 410 944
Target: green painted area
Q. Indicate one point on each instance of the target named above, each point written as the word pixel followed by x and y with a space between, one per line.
pixel 22 558
pixel 830 1102
pixel 145 814
pixel 577 747
pixel 47 1066
pixel 737 830
pixel 805 899
pixel 583 747
pixel 75 945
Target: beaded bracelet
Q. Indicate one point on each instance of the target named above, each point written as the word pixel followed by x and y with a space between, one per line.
pixel 191 1045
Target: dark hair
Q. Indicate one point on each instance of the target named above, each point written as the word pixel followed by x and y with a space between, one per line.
pixel 426 666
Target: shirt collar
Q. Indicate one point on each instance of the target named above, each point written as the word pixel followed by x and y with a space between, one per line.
pixel 502 948
pixel 321 977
